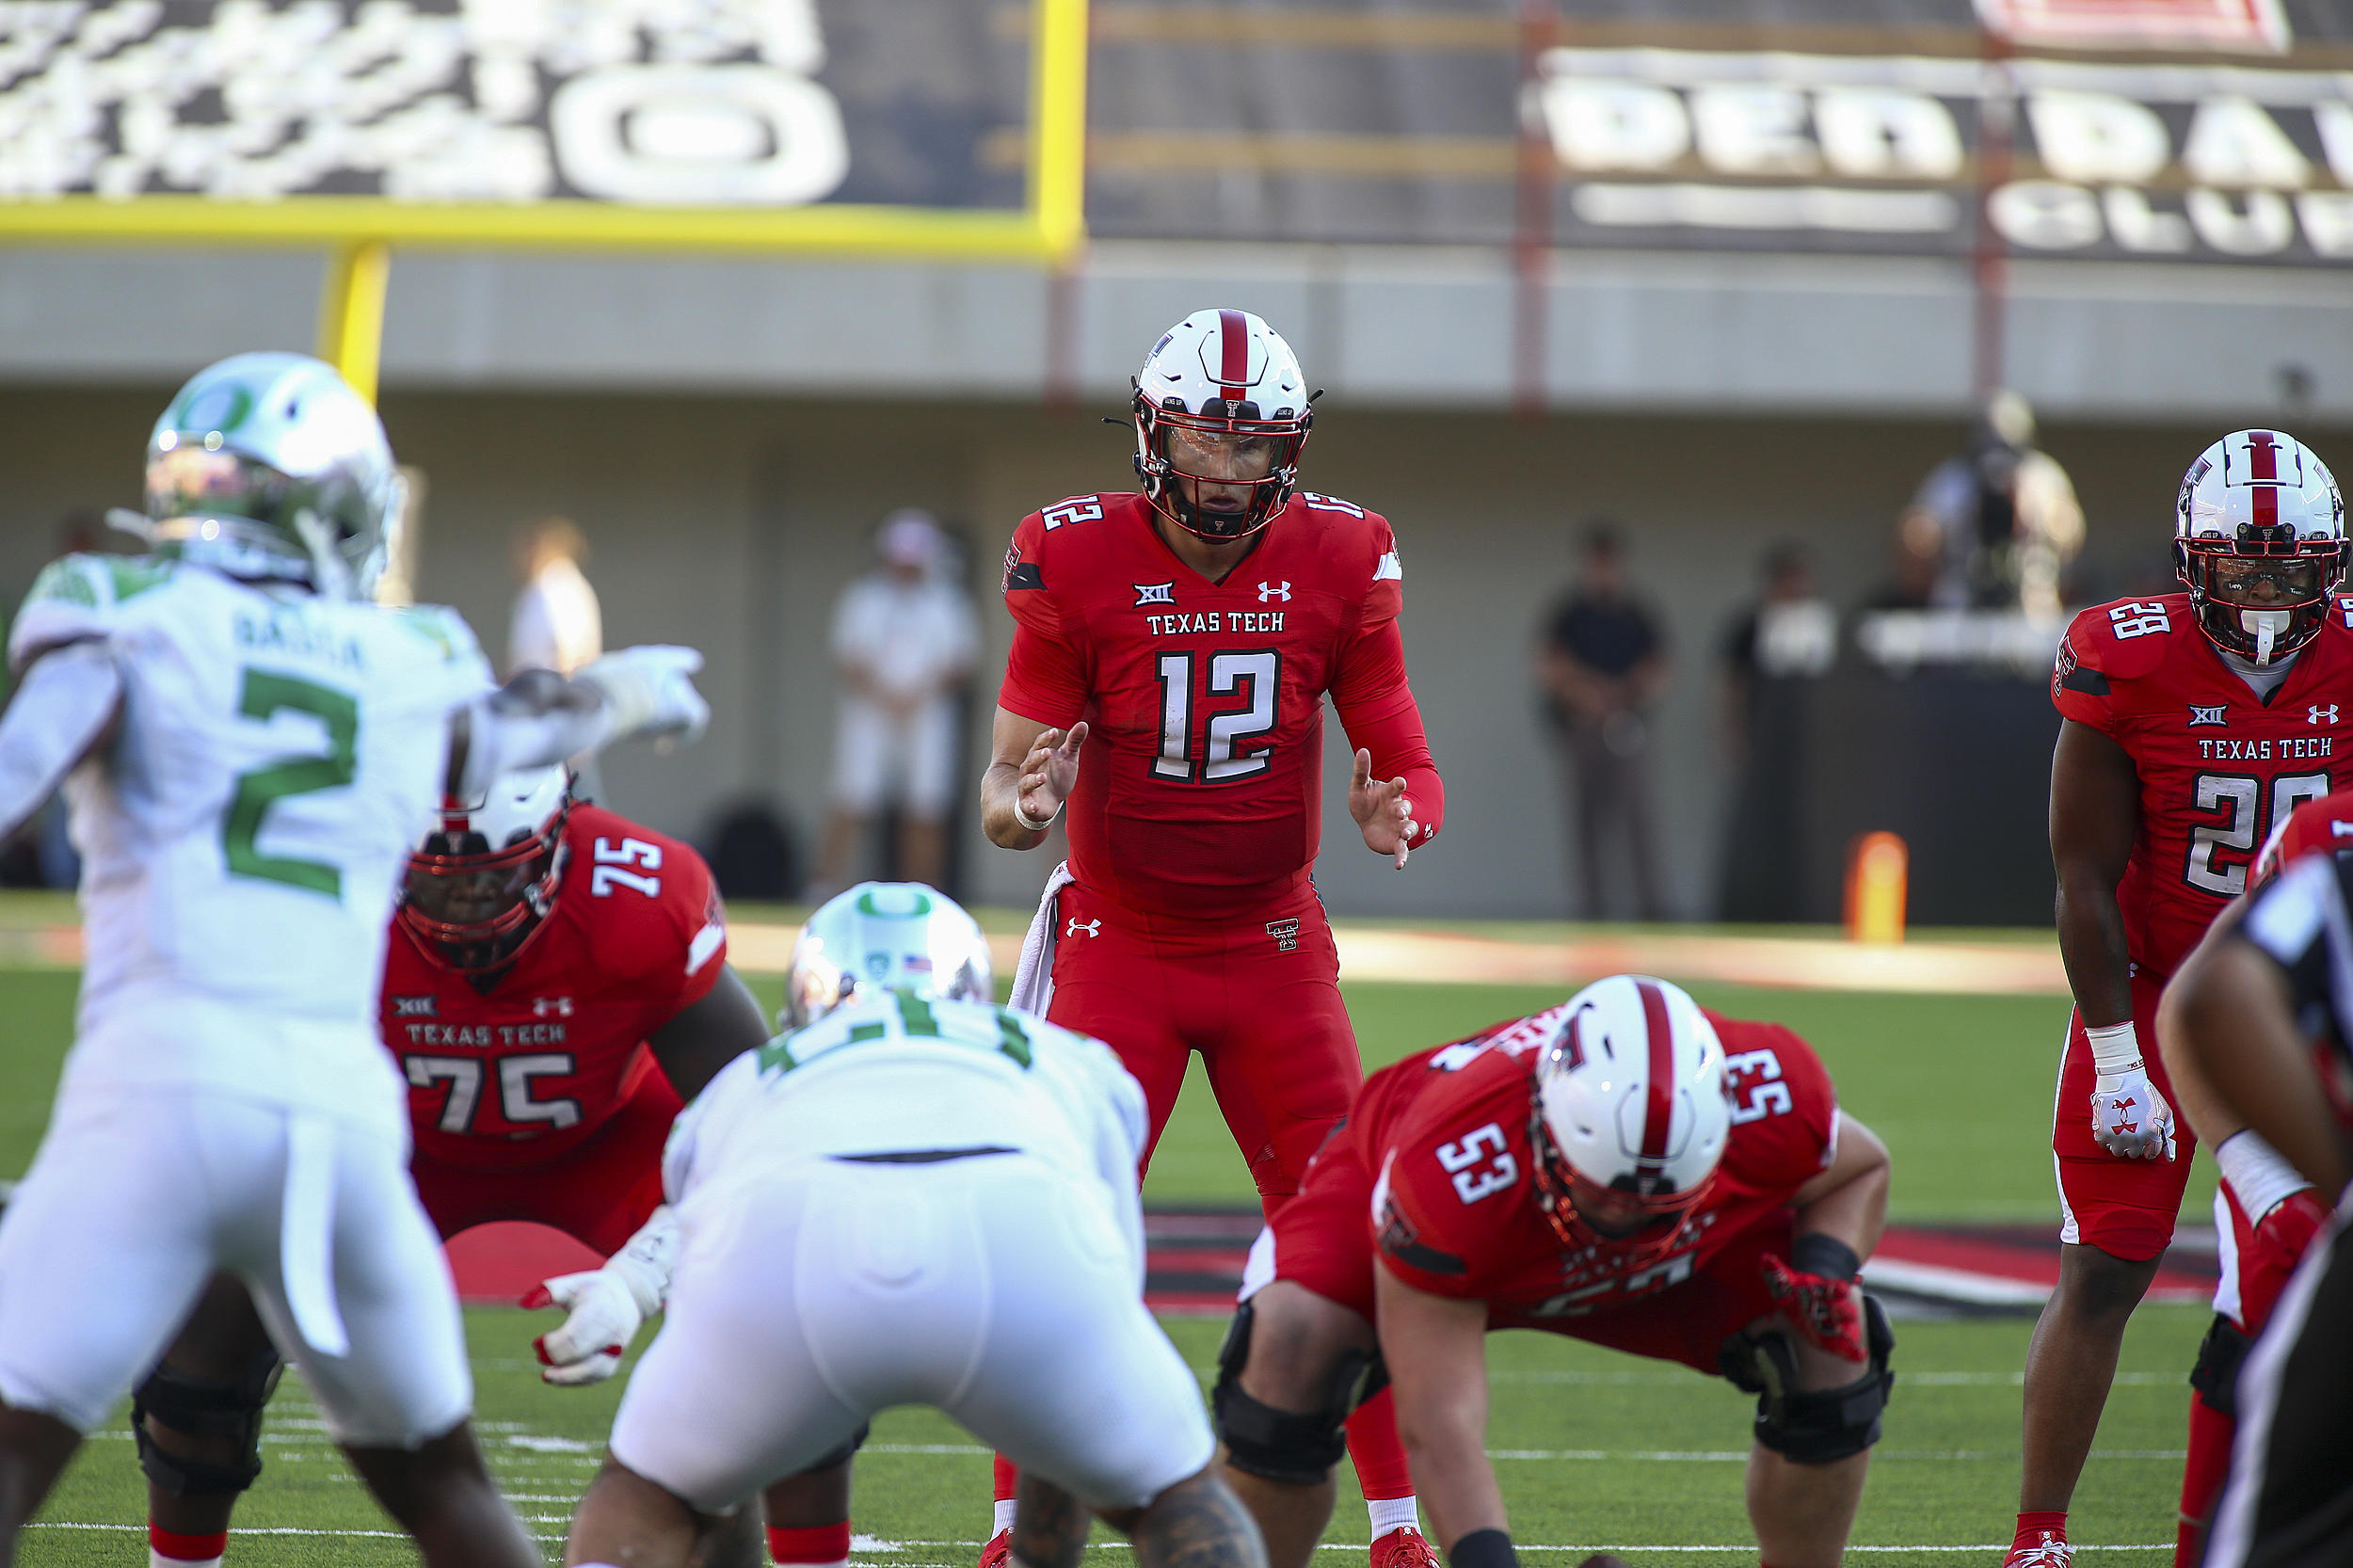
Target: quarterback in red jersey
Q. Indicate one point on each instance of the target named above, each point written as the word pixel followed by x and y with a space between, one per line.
pixel 2192 724
pixel 1624 1169
pixel 555 987
pixel 1172 650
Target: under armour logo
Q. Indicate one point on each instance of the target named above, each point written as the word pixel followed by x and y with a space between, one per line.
pixel 2218 713
pixel 1084 928
pixel 542 1006
pixel 1156 593
pixel 1275 590
pixel 2317 715
pixel 2121 1108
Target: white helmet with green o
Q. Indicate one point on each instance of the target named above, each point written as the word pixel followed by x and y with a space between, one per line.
pixel 885 937
pixel 268 466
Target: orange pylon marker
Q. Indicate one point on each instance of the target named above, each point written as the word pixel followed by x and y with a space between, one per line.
pixel 1879 871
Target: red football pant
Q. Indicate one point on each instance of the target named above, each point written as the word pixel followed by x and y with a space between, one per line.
pixel 2125 1207
pixel 1258 996
pixel 598 1192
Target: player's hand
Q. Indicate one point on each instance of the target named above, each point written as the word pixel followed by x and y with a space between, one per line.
pixel 2129 1118
pixel 649 691
pixel 2272 1253
pixel 1050 772
pixel 587 1346
pixel 1383 811
pixel 1827 1313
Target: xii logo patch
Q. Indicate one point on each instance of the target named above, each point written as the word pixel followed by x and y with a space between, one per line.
pixel 1156 593
pixel 1286 934
pixel 2217 714
pixel 415 1007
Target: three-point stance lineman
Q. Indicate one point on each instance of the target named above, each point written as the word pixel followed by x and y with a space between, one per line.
pixel 249 743
pixel 2192 724
pixel 913 1197
pixel 1624 1169
pixel 1171 654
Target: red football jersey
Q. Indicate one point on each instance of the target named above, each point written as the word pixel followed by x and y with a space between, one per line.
pixel 2218 770
pixel 1455 1207
pixel 516 1075
pixel 1200 789
pixel 2323 827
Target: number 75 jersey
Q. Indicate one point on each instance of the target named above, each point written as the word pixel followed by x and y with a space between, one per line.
pixel 2218 769
pixel 243 832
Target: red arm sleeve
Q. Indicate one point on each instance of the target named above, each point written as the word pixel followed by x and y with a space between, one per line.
pixel 1377 708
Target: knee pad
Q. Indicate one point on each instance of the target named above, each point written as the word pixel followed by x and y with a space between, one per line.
pixel 1810 1426
pixel 2216 1376
pixel 841 1453
pixel 1299 1450
pixel 201 1407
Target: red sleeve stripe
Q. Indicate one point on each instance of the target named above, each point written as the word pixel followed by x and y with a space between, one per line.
pixel 1233 330
pixel 2263 472
pixel 1658 1111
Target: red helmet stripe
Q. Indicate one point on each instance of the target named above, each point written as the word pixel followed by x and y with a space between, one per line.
pixel 1233 330
pixel 1658 1111
pixel 2263 470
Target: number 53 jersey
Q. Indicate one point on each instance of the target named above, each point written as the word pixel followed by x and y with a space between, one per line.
pixel 243 830
pixel 1200 790
pixel 2218 769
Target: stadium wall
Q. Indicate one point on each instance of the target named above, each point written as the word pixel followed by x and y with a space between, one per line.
pixel 731 522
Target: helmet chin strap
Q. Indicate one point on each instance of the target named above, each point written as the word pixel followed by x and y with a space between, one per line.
pixel 2267 625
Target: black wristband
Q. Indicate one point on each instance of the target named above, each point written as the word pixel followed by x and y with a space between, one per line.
pixel 1817 1253
pixel 1487 1548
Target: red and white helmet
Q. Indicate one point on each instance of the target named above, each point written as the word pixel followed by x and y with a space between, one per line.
pixel 1631 1116
pixel 1221 401
pixel 484 875
pixel 2258 540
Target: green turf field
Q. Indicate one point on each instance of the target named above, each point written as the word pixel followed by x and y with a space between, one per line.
pixel 1593 1448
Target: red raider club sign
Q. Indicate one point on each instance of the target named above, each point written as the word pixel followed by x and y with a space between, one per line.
pixel 1878 153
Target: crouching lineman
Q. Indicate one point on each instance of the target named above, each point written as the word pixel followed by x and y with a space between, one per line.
pixel 1603 1170
pixel 912 1197
pixel 2261 1014
pixel 556 987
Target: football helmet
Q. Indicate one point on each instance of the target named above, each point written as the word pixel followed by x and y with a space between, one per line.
pixel 484 876
pixel 1220 415
pixel 269 466
pixel 889 937
pixel 1632 1114
pixel 2258 540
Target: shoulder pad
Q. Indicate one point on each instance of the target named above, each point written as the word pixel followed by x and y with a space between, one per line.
pixel 446 628
pixel 79 596
pixel 2123 641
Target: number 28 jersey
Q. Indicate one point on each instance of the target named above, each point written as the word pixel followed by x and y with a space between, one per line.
pixel 513 1075
pixel 2218 769
pixel 1454 1210
pixel 1200 790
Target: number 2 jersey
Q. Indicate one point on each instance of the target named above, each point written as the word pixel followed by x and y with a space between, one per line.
pixel 2220 769
pixel 1445 1134
pixel 514 1074
pixel 1200 789
pixel 242 833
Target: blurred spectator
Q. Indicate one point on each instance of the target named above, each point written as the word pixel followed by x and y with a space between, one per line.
pixel 2003 517
pixel 557 624
pixel 1601 661
pixel 1773 655
pixel 1918 560
pixel 903 640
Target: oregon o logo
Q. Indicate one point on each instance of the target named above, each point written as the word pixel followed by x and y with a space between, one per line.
pixel 694 134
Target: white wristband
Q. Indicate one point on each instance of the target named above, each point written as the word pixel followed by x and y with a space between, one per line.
pixel 2113 1048
pixel 1027 821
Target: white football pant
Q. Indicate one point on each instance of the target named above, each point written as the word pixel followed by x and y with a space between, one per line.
pixel 992 1286
pixel 134 1199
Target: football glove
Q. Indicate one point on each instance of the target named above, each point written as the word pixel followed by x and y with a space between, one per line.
pixel 1827 1313
pixel 650 693
pixel 2269 1258
pixel 2129 1118
pixel 606 1306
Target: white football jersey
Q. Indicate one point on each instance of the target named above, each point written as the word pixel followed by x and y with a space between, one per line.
pixel 244 832
pixel 898 1074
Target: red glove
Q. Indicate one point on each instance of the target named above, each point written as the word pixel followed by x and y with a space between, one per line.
pixel 2272 1251
pixel 1827 1313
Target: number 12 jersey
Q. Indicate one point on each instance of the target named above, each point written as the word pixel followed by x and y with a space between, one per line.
pixel 2218 768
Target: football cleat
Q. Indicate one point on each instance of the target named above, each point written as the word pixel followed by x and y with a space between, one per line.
pixel 999 1552
pixel 2050 1550
pixel 885 937
pixel 1403 1549
pixel 2258 540
pixel 1632 1114
pixel 270 467
pixel 1221 416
